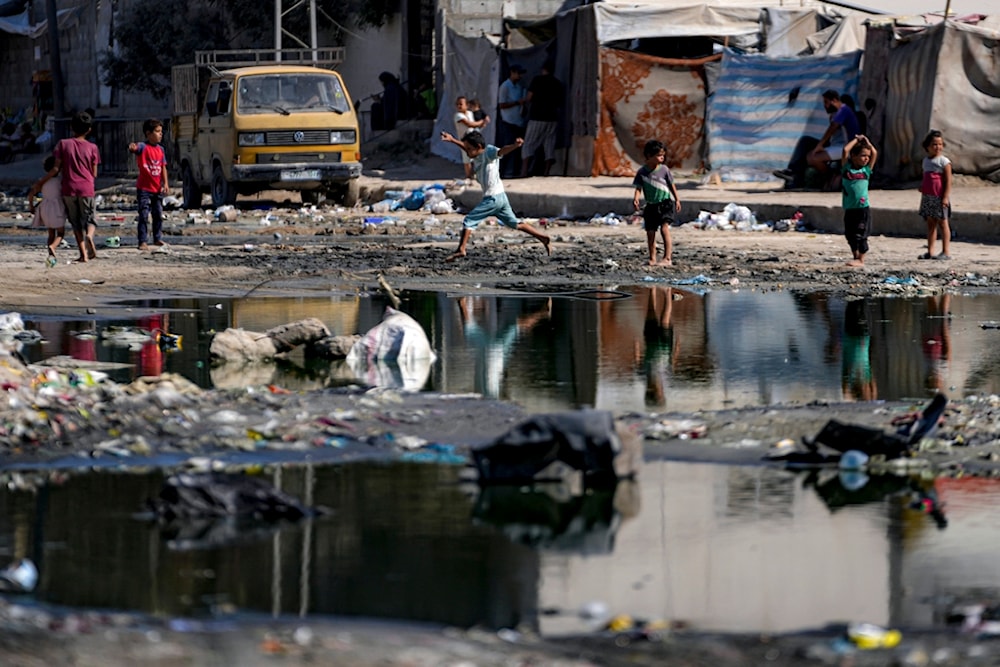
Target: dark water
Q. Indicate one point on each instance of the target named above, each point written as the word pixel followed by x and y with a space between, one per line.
pixel 717 547
pixel 648 348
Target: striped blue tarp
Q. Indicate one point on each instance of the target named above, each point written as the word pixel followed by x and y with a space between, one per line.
pixel 761 106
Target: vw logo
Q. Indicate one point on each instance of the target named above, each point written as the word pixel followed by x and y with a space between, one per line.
pixel 299 136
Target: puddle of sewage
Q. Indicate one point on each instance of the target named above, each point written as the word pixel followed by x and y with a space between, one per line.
pixel 648 348
pixel 719 548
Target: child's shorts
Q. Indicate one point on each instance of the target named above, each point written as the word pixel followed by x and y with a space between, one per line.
pixel 80 212
pixel 492 206
pixel 656 215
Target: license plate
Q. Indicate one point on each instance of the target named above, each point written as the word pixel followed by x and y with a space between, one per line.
pixel 300 175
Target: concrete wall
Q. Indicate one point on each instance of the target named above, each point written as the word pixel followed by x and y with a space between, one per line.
pixel 80 45
pixel 368 53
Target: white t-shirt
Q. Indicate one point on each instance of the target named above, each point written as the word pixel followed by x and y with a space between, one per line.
pixel 462 118
pixel 486 166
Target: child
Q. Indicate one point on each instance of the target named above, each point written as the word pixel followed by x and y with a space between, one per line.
pixel 152 182
pixel 485 159
pixel 477 111
pixel 655 183
pixel 464 122
pixel 77 159
pixel 935 195
pixel 51 214
pixel 858 161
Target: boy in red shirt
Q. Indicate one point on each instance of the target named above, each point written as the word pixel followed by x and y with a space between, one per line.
pixel 152 182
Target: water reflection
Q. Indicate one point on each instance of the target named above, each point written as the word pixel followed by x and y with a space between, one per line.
pixel 722 548
pixel 659 348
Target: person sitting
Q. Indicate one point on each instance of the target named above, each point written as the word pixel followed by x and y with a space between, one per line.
pixel 7 139
pixel 818 153
pixel 24 139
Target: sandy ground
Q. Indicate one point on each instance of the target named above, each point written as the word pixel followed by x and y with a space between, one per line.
pixel 341 250
pixel 302 249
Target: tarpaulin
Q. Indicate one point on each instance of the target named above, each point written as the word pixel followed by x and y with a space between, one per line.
pixel 762 105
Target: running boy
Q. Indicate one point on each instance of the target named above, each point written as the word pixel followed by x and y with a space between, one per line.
pixel 152 182
pixel 655 184
pixel 77 159
pixel 485 160
pixel 858 159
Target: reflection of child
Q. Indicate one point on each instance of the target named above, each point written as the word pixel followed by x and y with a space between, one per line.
pixel 51 213
pixel 936 339
pixel 856 369
pixel 935 195
pixel 150 354
pixel 858 161
pixel 658 334
pixel 655 184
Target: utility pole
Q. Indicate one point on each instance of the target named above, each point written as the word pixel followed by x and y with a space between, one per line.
pixel 55 60
pixel 280 32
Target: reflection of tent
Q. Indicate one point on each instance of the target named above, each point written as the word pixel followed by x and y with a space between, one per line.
pixel 942 77
pixel 619 98
pixel 584 524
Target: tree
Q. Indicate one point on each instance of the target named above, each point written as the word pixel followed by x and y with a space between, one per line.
pixel 154 35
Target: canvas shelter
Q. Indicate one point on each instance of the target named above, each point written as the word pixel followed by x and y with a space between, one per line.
pixel 619 96
pixel 942 76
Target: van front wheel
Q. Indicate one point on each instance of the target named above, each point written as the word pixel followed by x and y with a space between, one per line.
pixel 347 194
pixel 223 192
pixel 190 191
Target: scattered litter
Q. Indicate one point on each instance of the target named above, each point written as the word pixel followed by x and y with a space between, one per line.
pixel 868 636
pixel 608 219
pixel 19 577
pixel 909 281
pixel 113 242
pixel 683 429
pixel 699 279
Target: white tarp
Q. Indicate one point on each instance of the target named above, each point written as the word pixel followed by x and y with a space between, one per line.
pixel 473 71
pixel 20 24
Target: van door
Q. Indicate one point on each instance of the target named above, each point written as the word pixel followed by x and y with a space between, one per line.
pixel 215 133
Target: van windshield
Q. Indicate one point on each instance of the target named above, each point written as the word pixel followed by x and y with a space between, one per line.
pixel 285 93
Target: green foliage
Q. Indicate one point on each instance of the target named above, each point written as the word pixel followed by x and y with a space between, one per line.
pixel 154 35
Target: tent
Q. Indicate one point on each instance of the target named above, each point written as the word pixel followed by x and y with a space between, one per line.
pixel 618 97
pixel 942 76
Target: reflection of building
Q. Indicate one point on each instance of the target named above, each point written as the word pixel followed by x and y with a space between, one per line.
pixel 734 549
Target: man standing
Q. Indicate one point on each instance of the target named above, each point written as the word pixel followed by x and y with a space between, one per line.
pixel 544 101
pixel 810 153
pixel 512 120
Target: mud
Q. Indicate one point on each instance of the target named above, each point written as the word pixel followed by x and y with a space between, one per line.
pixel 319 251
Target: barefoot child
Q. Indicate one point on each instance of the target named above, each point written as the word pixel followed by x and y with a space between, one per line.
pixel 51 213
pixel 935 195
pixel 76 161
pixel 858 159
pixel 656 185
pixel 486 166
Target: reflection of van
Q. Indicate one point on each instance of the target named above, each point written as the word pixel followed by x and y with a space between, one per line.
pixel 275 126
